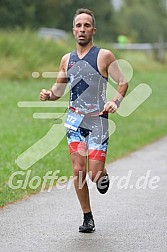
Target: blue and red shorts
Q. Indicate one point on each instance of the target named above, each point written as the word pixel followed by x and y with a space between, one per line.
pixel 90 139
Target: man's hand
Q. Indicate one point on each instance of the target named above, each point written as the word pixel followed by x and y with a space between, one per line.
pixel 109 107
pixel 45 95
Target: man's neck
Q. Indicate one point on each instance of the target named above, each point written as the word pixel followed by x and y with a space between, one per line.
pixel 83 50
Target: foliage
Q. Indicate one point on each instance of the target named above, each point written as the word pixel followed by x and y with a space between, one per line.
pixel 54 13
pixel 143 21
pixel 23 52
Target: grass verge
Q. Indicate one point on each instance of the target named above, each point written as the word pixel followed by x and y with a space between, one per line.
pixel 19 130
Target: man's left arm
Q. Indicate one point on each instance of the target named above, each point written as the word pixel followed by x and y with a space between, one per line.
pixel 116 74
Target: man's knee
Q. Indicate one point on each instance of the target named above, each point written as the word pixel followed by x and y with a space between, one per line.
pixel 79 171
pixel 79 164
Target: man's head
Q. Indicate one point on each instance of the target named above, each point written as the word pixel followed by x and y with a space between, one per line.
pixel 85 11
pixel 84 26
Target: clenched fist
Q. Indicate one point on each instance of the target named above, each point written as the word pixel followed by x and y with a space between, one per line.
pixel 45 95
pixel 110 107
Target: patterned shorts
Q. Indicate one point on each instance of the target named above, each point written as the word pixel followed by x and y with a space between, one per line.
pixel 90 139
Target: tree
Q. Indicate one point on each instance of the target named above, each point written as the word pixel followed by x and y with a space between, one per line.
pixel 143 21
pixel 16 13
pixel 55 13
pixel 65 9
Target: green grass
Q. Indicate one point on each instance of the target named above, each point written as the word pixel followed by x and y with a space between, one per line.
pixel 144 125
pixel 19 130
pixel 22 52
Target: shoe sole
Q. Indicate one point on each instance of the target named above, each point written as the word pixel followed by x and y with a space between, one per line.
pixel 84 230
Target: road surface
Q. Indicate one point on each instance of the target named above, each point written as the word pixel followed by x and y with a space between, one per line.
pixel 131 216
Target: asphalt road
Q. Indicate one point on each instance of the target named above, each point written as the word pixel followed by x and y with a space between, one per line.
pixel 131 216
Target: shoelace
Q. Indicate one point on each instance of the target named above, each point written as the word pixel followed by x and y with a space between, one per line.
pixel 89 222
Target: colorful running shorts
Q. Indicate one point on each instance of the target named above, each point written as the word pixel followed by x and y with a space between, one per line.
pixel 90 139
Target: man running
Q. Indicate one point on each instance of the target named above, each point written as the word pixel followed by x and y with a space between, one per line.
pixel 87 70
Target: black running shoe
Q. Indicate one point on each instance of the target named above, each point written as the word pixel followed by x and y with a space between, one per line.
pixel 88 226
pixel 103 184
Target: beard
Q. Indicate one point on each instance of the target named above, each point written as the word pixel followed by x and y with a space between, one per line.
pixel 83 42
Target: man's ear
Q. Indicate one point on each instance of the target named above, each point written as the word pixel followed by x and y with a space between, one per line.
pixel 94 31
pixel 73 30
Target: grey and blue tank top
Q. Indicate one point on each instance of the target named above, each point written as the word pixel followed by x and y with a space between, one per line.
pixel 87 85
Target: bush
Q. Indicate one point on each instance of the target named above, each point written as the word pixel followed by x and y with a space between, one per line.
pixel 23 52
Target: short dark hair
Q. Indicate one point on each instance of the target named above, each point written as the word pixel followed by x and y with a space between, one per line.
pixel 86 11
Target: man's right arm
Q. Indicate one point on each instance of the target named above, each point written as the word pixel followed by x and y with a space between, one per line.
pixel 58 88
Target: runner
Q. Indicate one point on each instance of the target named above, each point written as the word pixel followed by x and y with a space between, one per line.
pixel 87 70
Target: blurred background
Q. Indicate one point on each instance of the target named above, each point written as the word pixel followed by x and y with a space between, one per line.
pixel 141 21
pixel 126 25
pixel 34 35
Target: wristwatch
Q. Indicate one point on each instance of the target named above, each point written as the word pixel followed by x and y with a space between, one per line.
pixel 117 102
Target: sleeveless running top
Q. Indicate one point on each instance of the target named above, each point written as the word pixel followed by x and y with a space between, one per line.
pixel 87 85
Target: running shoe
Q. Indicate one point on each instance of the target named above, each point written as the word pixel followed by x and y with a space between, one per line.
pixel 103 184
pixel 88 226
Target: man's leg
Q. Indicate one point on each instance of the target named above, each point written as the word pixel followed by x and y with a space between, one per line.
pixel 81 187
pixel 79 170
pixel 96 169
pixel 98 174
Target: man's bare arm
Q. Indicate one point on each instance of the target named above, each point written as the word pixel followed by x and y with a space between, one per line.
pixel 58 88
pixel 114 72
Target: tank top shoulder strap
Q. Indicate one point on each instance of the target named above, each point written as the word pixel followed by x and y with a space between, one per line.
pixel 73 59
pixel 91 57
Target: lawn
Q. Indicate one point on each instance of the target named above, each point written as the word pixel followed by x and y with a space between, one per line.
pixel 19 130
